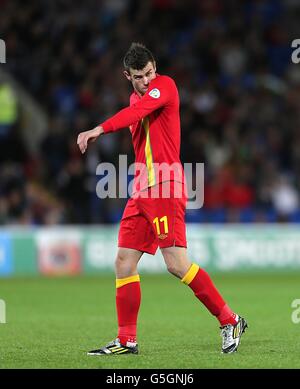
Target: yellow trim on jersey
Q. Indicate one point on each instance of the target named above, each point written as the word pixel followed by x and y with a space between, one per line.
pixel 124 281
pixel 148 153
pixel 190 275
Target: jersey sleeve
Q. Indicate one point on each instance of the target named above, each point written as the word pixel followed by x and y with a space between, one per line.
pixel 160 93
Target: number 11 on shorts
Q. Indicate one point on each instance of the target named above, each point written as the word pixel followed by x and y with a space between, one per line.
pixel 163 220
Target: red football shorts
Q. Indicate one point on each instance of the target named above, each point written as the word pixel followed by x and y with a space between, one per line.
pixel 156 220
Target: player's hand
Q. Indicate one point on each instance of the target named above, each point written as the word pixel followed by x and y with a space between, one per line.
pixel 88 136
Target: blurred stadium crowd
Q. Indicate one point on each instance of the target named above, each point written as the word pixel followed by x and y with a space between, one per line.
pixel 240 103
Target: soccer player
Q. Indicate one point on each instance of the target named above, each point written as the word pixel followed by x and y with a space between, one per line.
pixel 148 221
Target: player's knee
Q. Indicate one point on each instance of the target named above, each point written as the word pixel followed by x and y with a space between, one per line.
pixel 125 265
pixel 175 266
pixel 120 261
pixel 173 269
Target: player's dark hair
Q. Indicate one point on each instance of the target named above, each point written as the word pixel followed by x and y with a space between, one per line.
pixel 137 57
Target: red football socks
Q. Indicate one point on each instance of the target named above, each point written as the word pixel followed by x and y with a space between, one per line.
pixel 227 316
pixel 128 299
pixel 204 289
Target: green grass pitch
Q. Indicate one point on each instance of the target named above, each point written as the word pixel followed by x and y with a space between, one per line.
pixel 52 322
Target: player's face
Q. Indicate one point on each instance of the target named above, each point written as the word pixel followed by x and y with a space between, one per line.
pixel 141 79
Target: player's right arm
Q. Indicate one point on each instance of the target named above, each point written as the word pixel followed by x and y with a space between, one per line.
pixel 88 136
pixel 159 94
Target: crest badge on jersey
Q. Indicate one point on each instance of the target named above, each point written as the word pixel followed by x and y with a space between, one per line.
pixel 155 93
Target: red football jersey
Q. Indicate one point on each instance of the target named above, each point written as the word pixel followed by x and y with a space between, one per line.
pixel 154 123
